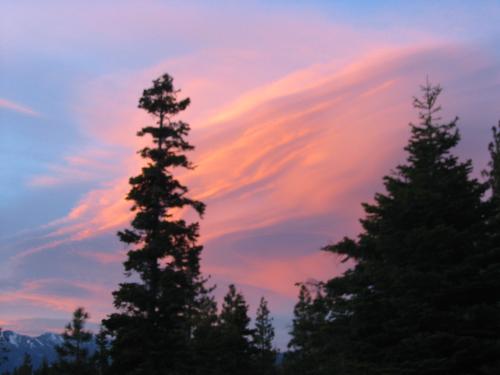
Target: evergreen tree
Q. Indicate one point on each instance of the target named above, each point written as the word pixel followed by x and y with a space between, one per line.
pixel 263 335
pixel 417 301
pixel 152 331
pixel 489 261
pixel 307 327
pixel 493 174
pixel 301 325
pixel 101 355
pixel 73 355
pixel 26 367
pixel 205 338
pixel 234 344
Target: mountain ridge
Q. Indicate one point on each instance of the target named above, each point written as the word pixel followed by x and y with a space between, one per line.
pixel 38 347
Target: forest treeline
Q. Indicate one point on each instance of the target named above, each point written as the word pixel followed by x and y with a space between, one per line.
pixel 422 295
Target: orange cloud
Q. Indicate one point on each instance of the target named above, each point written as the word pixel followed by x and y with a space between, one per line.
pixel 313 145
pixel 280 276
pixel 303 132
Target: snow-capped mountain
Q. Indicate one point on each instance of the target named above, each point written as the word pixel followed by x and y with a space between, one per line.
pixel 38 348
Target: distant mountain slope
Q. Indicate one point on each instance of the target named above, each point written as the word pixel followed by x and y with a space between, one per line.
pixel 38 348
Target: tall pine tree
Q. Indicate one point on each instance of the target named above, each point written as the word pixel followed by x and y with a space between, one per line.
pixel 153 327
pixel 307 330
pixel 234 339
pixel 263 336
pixel 416 301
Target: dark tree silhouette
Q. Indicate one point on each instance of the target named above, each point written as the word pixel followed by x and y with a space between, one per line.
pixel 234 341
pixel 263 336
pixel 157 310
pixel 101 355
pixel 493 173
pixel 421 298
pixel 308 323
pixel 489 260
pixel 206 339
pixel 73 353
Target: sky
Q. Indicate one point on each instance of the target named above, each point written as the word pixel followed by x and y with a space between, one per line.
pixel 298 110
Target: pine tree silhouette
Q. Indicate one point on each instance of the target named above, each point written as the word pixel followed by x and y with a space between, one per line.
pixel 153 328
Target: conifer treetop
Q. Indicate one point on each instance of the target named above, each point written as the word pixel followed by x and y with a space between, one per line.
pixel 431 140
pixel 161 99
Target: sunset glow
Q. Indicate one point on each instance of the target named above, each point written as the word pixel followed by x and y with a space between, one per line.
pixel 297 112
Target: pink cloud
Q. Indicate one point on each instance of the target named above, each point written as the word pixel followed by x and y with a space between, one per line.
pixel 104 257
pixel 19 108
pixel 314 144
pixel 270 159
pixel 89 165
pixel 280 276
pixel 56 294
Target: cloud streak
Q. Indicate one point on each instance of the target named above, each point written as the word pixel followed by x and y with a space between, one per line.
pixel 294 123
pixel 292 156
pixel 19 108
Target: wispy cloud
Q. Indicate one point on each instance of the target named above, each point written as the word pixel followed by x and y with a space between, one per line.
pixel 306 155
pixel 16 107
pixel 61 295
pixel 90 165
pixel 295 118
